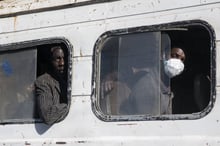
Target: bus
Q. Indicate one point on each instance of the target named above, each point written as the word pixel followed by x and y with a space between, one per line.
pixel 102 37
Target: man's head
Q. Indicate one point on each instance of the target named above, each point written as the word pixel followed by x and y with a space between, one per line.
pixel 57 59
pixel 178 53
pixel 175 65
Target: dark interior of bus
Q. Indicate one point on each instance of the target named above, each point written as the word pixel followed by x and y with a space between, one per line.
pixel 43 53
pixel 43 61
pixel 192 88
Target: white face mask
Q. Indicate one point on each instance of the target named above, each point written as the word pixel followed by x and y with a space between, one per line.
pixel 173 67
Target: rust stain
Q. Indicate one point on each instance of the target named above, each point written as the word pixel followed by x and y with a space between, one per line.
pixel 1 7
pixel 81 54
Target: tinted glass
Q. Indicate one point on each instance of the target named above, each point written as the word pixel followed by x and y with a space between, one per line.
pixel 17 74
pixel 130 75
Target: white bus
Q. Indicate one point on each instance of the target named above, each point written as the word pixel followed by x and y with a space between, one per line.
pixel 98 36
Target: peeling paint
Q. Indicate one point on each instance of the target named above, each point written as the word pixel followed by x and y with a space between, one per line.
pixel 13 7
pixel 81 54
pixel 27 143
pixel 126 124
pixel 60 142
pixel 81 141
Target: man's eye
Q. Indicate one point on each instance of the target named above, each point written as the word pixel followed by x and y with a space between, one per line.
pixel 56 59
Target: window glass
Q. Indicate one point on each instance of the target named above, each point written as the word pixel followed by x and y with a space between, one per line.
pixel 17 73
pixel 130 72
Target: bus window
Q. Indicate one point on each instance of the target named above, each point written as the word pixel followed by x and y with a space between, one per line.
pixel 18 72
pixel 19 68
pixel 132 77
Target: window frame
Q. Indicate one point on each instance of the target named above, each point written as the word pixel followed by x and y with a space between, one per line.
pixel 28 45
pixel 161 27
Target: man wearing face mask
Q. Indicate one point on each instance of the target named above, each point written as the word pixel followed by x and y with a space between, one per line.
pixel 174 66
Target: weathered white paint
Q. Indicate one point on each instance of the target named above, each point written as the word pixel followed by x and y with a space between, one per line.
pixel 82 26
pixel 14 6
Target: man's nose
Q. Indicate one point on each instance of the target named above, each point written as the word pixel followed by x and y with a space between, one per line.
pixel 61 62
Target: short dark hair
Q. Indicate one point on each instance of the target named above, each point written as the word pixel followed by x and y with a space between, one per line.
pixel 52 49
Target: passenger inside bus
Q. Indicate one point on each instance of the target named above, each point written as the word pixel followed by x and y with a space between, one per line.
pixel 51 89
pixel 139 85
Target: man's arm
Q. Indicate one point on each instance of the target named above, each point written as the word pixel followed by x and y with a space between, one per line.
pixel 50 109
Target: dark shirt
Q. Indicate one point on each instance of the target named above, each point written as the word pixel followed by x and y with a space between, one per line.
pixel 144 97
pixel 51 98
